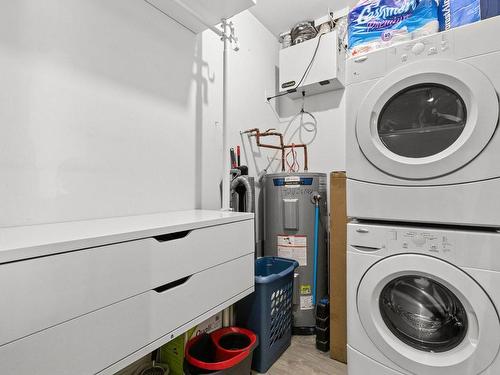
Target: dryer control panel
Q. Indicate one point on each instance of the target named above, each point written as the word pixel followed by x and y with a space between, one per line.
pixel 378 63
pixel 435 46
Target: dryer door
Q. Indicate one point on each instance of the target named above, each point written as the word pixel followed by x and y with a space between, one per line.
pixel 427 119
pixel 434 322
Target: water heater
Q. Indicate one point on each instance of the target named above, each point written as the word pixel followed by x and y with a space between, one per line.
pixel 295 223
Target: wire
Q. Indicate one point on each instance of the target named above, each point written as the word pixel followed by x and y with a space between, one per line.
pixel 309 66
pixel 311 62
pixel 281 94
pixel 294 166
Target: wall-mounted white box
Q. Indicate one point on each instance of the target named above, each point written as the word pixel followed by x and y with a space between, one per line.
pixel 326 73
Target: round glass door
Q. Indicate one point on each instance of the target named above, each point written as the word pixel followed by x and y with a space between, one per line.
pixel 423 313
pixel 427 119
pixel 422 120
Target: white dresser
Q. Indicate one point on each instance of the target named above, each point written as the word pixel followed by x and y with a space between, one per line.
pixel 91 297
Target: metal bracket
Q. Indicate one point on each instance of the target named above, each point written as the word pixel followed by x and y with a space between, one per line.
pixel 229 36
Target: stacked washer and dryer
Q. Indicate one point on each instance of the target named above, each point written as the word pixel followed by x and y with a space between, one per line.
pixel 423 166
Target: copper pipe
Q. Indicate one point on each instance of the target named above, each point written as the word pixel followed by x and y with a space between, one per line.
pixel 268 133
pixel 280 147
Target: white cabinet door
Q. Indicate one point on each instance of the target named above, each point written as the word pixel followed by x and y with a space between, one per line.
pixel 42 292
pixel 91 343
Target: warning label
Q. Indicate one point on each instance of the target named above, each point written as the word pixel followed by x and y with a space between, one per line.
pixel 293 247
pixel 306 302
pixel 305 289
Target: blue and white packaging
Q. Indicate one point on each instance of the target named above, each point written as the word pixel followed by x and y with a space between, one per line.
pixel 375 24
pixel 454 13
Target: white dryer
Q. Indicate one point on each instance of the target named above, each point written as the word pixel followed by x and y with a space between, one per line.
pixel 422 139
pixel 423 301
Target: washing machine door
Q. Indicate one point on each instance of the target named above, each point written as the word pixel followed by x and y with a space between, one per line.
pixel 427 119
pixel 427 316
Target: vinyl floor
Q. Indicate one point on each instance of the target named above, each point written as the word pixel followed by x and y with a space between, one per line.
pixel 303 358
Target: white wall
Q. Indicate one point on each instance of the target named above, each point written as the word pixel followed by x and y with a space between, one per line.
pixel 324 134
pixel 251 70
pixel 112 109
pixel 102 106
pixel 253 76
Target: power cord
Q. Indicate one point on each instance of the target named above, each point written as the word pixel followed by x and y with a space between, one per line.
pixel 310 63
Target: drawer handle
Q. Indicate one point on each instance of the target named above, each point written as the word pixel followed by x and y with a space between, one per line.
pixel 366 249
pixel 172 285
pixel 172 236
pixel 361 59
pixel 362 230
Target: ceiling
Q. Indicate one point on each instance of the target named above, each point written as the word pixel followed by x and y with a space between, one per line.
pixel 281 15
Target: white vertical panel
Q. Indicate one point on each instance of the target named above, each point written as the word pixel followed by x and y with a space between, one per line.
pixel 98 111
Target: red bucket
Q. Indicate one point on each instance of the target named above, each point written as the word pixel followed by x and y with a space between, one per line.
pixel 221 350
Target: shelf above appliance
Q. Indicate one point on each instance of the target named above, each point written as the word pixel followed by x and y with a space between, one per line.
pixel 199 15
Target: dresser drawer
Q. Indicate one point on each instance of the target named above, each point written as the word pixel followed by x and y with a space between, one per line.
pixel 90 343
pixel 42 292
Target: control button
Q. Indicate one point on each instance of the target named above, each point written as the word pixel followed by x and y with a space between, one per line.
pixel 404 58
pixel 419 241
pixel 433 51
pixel 418 48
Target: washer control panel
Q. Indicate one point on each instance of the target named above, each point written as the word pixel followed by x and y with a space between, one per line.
pixel 468 247
pixel 419 241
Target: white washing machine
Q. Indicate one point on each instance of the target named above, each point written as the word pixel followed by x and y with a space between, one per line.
pixel 423 301
pixel 422 139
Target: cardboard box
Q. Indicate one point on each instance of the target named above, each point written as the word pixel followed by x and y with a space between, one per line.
pixel 338 248
pixel 172 353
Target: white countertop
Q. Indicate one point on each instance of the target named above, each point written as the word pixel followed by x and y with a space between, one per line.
pixel 25 242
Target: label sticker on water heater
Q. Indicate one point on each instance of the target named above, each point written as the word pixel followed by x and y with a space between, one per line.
pixel 306 302
pixel 293 181
pixel 305 289
pixel 293 247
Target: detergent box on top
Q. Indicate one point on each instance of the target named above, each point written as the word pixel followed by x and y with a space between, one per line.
pixel 379 23
pixel 454 13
